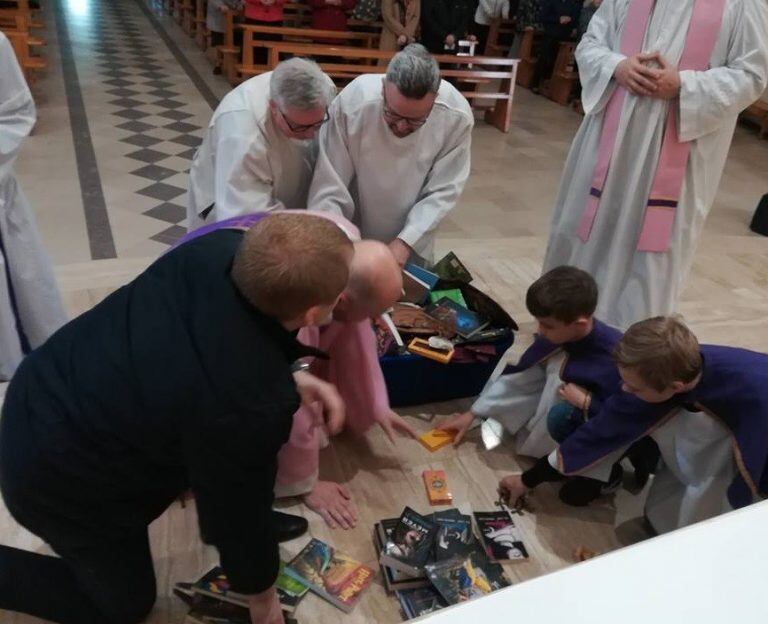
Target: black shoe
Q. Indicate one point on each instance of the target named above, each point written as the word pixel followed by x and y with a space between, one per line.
pixel 580 491
pixel 289 526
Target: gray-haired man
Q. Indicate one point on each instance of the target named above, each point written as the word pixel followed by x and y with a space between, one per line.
pixel 394 156
pixel 260 148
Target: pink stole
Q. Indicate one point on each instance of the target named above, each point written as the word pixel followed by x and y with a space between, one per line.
pixel 658 223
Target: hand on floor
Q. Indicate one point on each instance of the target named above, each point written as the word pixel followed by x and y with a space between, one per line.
pixel 460 423
pixel 392 422
pixel 512 490
pixel 333 502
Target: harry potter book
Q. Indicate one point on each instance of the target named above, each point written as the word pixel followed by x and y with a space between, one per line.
pixel 500 536
pixel 395 580
pixel 421 601
pixel 331 574
pixel 454 534
pixel 461 579
pixel 410 543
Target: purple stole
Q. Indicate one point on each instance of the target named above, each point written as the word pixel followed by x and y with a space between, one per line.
pixel 658 223
pixel 234 223
pixel 733 389
pixel 588 362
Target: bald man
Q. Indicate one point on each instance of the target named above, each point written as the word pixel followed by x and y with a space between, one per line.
pixel 375 284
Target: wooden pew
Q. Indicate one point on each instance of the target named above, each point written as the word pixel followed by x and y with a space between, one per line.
pixel 201 31
pixel 297 15
pixel 500 36
pixel 527 58
pixel 251 40
pixel 346 63
pixel 564 75
pixel 23 43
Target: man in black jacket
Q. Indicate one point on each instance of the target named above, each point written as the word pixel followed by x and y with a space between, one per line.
pixel 561 21
pixel 183 378
pixel 444 23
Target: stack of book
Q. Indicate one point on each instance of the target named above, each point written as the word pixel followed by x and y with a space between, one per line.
pixel 433 561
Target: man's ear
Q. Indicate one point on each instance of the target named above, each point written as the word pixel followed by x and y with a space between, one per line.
pixel 678 386
pixel 311 316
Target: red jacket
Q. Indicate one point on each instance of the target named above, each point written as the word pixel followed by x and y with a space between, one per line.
pixel 255 10
pixel 327 17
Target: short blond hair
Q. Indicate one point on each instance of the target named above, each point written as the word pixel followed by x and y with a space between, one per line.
pixel 289 263
pixel 661 350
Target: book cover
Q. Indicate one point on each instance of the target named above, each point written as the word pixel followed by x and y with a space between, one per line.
pixel 462 579
pixel 395 580
pixel 428 277
pixel 289 590
pixel 451 268
pixel 420 601
pixel 465 321
pixel 410 543
pixel 454 534
pixel 414 289
pixel 436 439
pixel 500 536
pixel 206 609
pixel 454 294
pixel 436 483
pixel 331 574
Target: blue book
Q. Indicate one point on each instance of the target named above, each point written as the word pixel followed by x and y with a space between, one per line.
pixel 429 278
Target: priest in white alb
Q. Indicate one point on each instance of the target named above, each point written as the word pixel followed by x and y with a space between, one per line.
pixel 259 151
pixel 30 305
pixel 663 83
pixel 395 154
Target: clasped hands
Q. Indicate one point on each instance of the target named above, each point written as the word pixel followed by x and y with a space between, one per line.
pixel 649 75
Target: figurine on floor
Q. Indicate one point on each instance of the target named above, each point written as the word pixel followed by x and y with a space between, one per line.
pixel 663 83
pixel 561 381
pixel 184 378
pixel 707 408
pixel 30 304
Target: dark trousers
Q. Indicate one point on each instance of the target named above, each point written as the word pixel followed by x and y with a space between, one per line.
pixel 261 55
pixel 546 61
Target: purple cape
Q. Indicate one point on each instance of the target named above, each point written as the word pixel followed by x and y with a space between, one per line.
pixel 234 223
pixel 733 389
pixel 588 362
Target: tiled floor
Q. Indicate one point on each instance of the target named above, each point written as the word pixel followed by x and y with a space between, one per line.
pixel 140 99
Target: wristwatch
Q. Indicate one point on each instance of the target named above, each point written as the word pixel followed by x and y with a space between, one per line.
pixel 299 366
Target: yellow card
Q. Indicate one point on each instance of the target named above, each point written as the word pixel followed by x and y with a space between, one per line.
pixel 435 439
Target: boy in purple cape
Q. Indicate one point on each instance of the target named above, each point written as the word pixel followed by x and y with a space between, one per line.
pixel 706 406
pixel 560 382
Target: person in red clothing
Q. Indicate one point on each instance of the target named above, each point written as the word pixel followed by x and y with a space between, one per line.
pixel 265 12
pixel 330 14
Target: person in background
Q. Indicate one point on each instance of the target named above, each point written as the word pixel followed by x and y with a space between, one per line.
pixel 30 305
pixel 527 17
pixel 367 11
pixel 330 14
pixel 401 22
pixel 216 23
pixel 487 11
pixel 444 23
pixel 560 19
pixel 587 12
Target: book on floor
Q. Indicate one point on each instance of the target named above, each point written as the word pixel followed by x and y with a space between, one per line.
pixel 215 584
pixel 420 601
pixel 331 574
pixel 436 439
pixel 410 543
pixel 414 289
pixel 436 483
pixel 395 580
pixel 207 609
pixel 500 536
pixel 465 578
pixel 428 277
pixel 454 534
pixel 454 294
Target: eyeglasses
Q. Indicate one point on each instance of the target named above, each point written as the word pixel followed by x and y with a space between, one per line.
pixel 394 117
pixel 304 127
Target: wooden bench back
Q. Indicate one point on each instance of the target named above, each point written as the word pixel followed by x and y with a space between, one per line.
pixel 500 35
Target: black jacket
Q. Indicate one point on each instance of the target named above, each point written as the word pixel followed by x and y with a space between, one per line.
pixel 553 10
pixel 172 381
pixel 440 18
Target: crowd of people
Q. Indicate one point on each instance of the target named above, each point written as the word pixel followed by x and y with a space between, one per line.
pixel 219 368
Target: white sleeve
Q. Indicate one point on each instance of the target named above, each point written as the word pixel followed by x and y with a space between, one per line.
pixel 334 169
pixel 244 180
pixel 17 108
pixel 596 55
pixel 512 398
pixel 709 99
pixel 442 189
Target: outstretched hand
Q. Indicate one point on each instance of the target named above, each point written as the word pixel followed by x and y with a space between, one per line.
pixel 460 423
pixel 391 422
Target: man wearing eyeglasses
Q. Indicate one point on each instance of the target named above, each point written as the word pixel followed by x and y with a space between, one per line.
pixel 259 151
pixel 395 154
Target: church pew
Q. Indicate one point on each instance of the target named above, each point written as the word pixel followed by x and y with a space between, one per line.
pixel 201 31
pixel 23 44
pixel 527 58
pixel 252 39
pixel 564 75
pixel 500 35
pixel 346 63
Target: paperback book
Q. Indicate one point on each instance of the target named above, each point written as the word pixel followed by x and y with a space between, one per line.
pixel 450 268
pixel 466 578
pixel 331 574
pixel 466 322
pixel 421 601
pixel 410 543
pixel 454 534
pixel 500 536
pixel 395 580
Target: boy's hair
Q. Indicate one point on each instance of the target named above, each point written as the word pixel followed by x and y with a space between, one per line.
pixel 288 263
pixel 661 350
pixel 565 293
